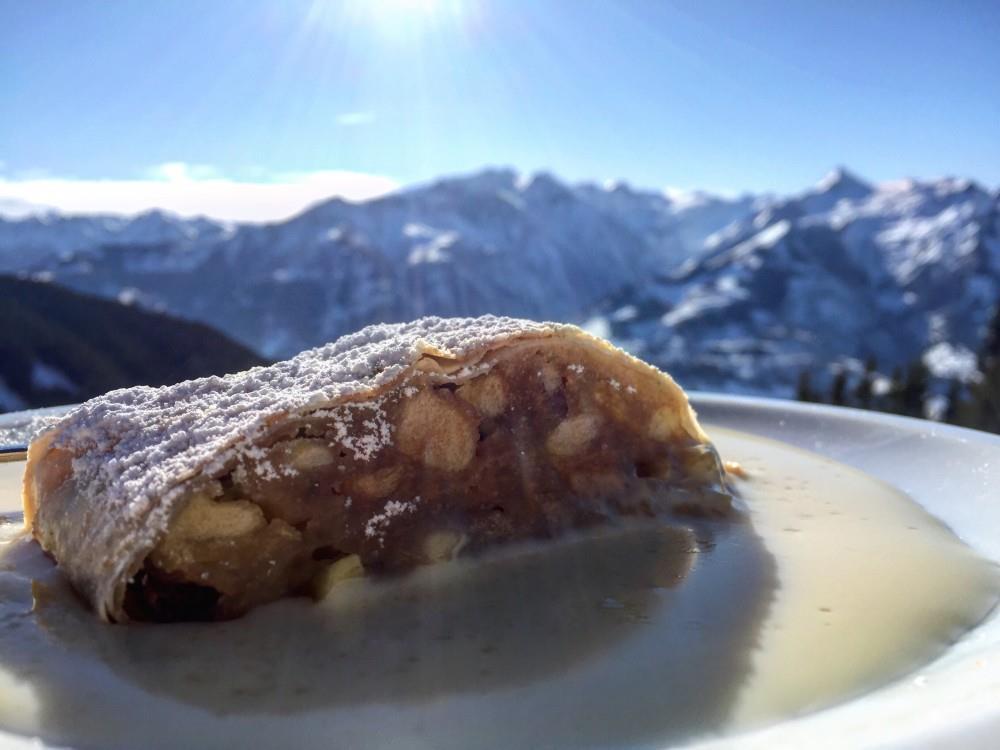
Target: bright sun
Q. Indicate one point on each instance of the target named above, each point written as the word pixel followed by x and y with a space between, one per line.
pixel 396 18
pixel 401 11
pixel 422 6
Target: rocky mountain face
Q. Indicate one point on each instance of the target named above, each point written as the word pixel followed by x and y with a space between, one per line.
pixel 738 294
pixel 838 274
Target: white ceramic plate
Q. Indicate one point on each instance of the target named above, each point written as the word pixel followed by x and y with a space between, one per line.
pixel 953 473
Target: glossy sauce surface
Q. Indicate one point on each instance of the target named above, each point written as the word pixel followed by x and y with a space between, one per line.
pixel 638 636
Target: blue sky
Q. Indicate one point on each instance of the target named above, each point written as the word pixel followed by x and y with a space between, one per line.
pixel 356 96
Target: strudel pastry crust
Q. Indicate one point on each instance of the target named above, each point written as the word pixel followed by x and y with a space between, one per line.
pixel 396 446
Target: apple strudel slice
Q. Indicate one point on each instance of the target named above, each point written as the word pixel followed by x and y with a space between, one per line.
pixel 393 447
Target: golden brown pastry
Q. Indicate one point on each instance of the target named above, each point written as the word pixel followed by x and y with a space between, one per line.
pixel 393 447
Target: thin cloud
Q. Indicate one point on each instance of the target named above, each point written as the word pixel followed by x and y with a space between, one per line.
pixel 349 119
pixel 174 171
pixel 190 190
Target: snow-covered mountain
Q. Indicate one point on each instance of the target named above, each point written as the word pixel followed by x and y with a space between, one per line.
pixel 489 242
pixel 727 293
pixel 678 224
pixel 840 273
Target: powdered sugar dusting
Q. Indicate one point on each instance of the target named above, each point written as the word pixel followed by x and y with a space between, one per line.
pixel 19 430
pixel 140 440
pixel 377 524
pixel 377 432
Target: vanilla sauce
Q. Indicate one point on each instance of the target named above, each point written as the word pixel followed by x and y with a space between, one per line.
pixel 832 585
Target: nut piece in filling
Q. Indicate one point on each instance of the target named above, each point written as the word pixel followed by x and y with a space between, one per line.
pixel 396 447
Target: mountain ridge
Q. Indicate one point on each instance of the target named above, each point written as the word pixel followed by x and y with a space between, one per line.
pixel 734 293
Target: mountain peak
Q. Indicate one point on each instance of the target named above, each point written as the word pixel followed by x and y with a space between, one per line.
pixel 155 213
pixel 545 186
pixel 681 200
pixel 845 183
pixel 488 180
pixel 154 217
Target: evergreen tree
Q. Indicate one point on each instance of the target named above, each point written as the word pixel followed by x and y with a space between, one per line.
pixel 984 405
pixel 987 398
pixel 894 397
pixel 915 389
pixel 803 389
pixel 839 388
pixel 863 390
pixel 953 411
pixel 974 405
pixel 990 351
